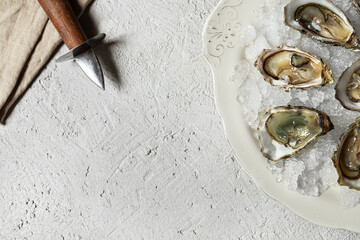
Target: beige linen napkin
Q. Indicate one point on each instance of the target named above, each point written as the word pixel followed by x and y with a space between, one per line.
pixel 27 40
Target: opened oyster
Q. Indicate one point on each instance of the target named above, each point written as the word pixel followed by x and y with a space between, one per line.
pixel 286 130
pixel 321 20
pixel 292 68
pixel 348 88
pixel 347 157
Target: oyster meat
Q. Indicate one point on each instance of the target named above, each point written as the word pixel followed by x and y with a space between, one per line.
pixel 323 21
pixel 347 157
pixel 289 67
pixel 348 88
pixel 284 131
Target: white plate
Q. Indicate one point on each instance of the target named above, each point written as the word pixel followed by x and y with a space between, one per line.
pixel 223 54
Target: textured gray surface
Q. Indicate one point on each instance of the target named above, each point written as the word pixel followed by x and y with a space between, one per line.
pixel 147 159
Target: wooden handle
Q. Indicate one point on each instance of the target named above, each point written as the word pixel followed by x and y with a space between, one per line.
pixel 62 16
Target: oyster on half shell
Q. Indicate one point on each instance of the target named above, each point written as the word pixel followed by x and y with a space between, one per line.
pixel 347 157
pixel 323 21
pixel 348 87
pixel 284 131
pixel 290 67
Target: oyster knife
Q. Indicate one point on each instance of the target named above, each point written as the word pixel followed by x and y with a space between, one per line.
pixel 81 49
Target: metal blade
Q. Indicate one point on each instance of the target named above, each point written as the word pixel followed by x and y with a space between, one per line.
pixel 91 43
pixel 91 67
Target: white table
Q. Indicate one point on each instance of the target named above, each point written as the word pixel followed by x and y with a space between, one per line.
pixel 147 158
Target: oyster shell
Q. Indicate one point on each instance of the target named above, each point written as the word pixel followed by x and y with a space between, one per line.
pixel 323 21
pixel 284 131
pixel 289 67
pixel 357 5
pixel 347 157
pixel 348 88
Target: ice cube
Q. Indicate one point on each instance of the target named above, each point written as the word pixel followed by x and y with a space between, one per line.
pixel 349 197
